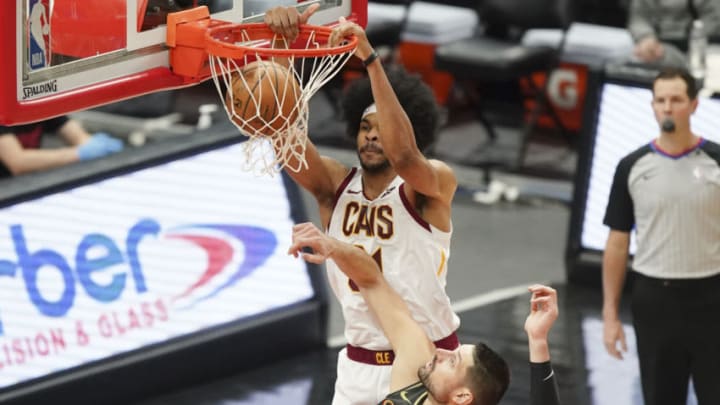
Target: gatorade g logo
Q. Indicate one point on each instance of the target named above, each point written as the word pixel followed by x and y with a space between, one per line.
pixel 77 272
pixel 563 88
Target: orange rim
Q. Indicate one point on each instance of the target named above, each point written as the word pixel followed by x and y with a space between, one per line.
pixel 225 41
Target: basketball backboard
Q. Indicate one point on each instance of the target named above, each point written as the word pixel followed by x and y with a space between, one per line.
pixel 69 55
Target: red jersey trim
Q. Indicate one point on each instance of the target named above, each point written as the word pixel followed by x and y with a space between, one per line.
pixel 387 357
pixel 340 190
pixel 411 210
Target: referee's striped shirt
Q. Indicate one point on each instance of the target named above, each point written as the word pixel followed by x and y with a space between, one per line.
pixel 673 202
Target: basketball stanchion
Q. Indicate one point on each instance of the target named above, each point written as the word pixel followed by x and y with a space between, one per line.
pixel 265 89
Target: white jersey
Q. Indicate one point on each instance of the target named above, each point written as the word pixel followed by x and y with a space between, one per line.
pixel 413 256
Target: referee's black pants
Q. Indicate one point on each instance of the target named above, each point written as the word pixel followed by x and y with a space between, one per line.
pixel 677 326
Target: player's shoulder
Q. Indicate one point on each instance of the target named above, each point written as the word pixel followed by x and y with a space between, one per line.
pixel 331 162
pixel 334 164
pixel 446 175
pixel 441 165
pixel 337 170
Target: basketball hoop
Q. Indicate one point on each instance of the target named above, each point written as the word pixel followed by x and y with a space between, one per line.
pixel 277 117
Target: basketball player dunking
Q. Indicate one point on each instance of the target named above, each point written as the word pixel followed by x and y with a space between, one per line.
pixel 396 206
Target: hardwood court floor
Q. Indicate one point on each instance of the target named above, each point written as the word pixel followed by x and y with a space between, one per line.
pixel 586 375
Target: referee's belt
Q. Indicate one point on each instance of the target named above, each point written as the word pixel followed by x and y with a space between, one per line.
pixel 702 282
pixel 386 357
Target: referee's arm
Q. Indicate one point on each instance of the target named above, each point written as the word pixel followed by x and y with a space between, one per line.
pixel 620 218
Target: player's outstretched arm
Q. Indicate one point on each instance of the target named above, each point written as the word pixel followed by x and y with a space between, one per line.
pixel 411 345
pixel 543 313
pixel 431 178
pixel 321 175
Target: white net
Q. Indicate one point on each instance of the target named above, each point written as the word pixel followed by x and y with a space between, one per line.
pixel 267 96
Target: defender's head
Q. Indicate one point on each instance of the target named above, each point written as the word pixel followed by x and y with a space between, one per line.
pixel 468 375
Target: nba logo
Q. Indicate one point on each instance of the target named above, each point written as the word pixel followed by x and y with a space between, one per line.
pixel 39 33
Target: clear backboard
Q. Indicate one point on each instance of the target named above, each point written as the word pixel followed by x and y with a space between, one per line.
pixel 68 55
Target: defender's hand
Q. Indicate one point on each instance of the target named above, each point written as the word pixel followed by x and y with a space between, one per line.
pixel 543 312
pixel 307 235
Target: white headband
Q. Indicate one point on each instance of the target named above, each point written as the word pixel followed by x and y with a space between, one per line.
pixel 371 109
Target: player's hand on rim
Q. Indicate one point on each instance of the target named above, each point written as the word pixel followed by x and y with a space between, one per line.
pixel 346 28
pixel 286 21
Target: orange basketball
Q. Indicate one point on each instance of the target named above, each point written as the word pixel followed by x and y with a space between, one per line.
pixel 263 98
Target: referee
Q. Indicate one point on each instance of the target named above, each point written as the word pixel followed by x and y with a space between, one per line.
pixel 669 191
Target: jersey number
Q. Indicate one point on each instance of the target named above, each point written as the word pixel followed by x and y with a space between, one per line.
pixel 377 256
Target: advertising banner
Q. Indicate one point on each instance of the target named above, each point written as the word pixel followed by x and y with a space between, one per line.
pixel 138 259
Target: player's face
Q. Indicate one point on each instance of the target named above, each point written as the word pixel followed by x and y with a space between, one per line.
pixel 670 100
pixel 369 149
pixel 447 371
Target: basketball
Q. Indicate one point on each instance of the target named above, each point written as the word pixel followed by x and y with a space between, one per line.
pixel 263 98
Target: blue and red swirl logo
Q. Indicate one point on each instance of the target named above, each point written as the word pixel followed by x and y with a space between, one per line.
pixel 77 273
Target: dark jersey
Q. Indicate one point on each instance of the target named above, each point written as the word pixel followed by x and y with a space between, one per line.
pixel 543 385
pixel 543 389
pixel 411 395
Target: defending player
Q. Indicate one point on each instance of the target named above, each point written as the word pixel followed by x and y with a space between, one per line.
pixel 421 373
